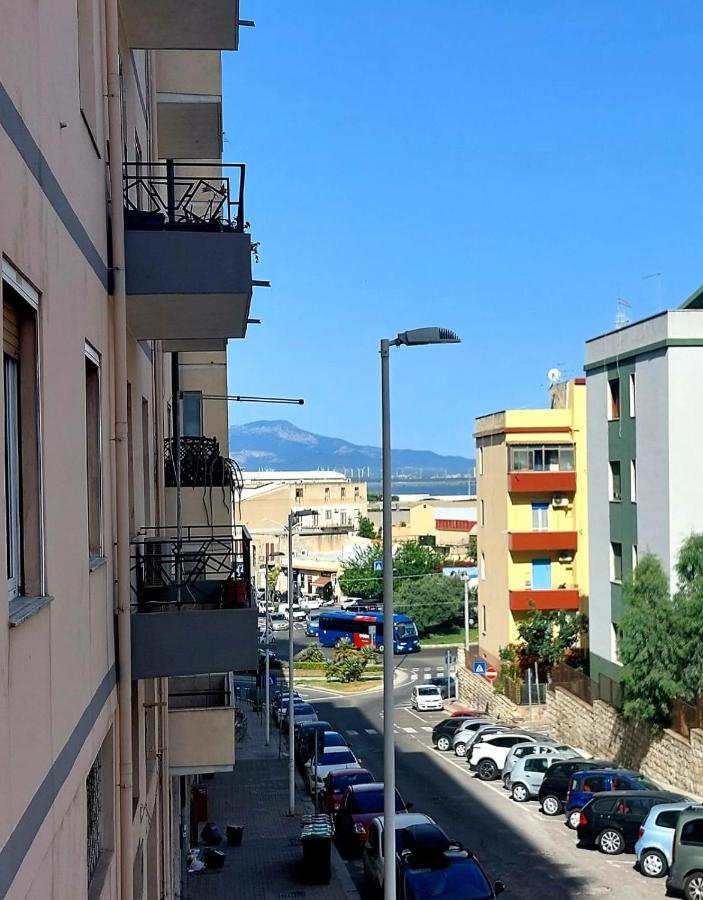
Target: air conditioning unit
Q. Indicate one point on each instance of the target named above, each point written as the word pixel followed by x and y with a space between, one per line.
pixel 158 562
pixel 566 557
pixel 560 502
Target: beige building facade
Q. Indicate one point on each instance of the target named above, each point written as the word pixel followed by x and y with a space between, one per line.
pixel 110 330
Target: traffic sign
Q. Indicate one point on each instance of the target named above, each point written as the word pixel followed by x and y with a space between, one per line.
pixel 491 673
pixel 479 667
pixel 378 565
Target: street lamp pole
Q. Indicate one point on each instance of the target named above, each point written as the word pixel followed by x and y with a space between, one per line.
pixel 266 647
pixel 407 338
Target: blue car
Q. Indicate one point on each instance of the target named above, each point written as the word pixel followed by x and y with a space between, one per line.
pixel 584 784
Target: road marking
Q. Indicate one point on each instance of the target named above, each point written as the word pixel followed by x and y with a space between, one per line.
pixel 410 730
pixel 352 733
pixel 427 728
pixel 427 675
pixel 370 731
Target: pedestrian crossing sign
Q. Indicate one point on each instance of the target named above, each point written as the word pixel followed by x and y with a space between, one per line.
pixel 479 667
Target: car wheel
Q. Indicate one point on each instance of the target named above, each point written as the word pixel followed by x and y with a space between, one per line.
pixel 460 749
pixel 693 886
pixel 443 743
pixel 573 819
pixel 551 805
pixel 653 864
pixel 487 770
pixel 380 648
pixel 520 793
pixel 506 781
pixel 611 842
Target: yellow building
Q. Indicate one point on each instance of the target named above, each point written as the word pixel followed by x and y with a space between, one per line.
pixel 443 524
pixel 532 513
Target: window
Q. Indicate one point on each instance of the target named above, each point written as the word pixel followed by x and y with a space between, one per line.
pixel 692 832
pixel 357 493
pixel 328 515
pixel 146 462
pixel 479 460
pixel 94 798
pixel 632 395
pixel 343 493
pixel 615 480
pixel 89 74
pixel 192 412
pixel 635 557
pixel 483 566
pixel 594 783
pixel 541 457
pixel 93 448
pixel 327 495
pixel 615 561
pixel 540 764
pixel 606 805
pixel 483 618
pixel 668 819
pixel 130 460
pixel 138 170
pixel 540 516
pixel 22 471
pixel 298 493
pixel 614 637
pixel 633 480
pixel 483 513
pixel 614 399
pixel 343 518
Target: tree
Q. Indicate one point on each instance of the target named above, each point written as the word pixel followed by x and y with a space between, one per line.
pixel 688 618
pixel 365 528
pixel 411 560
pixel 473 547
pixel 348 664
pixel 272 576
pixel 547 636
pixel 647 644
pixel 431 600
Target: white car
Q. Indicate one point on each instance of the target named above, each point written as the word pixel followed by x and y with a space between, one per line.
pixel 266 635
pixel 426 696
pixel 488 753
pixel 332 760
pixel 299 613
pixel 373 852
pixel 312 601
pixel 279 622
pixel 346 602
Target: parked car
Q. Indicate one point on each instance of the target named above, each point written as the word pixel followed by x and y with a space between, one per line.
pixel 655 841
pixel 555 787
pixel 278 621
pixel 372 857
pixel 266 635
pixel 336 784
pixel 686 872
pixel 328 739
pixel 584 784
pixel 310 601
pixel 528 774
pixel 544 747
pixel 335 758
pixel 611 820
pixel 430 865
pixel 312 626
pixel 361 804
pixel 426 697
pixel 303 714
pixel 467 713
pixel 347 602
pixel 447 686
pixel 280 710
pixel 489 752
pixel 444 731
pixel 304 746
pixel 299 613
pixel 464 735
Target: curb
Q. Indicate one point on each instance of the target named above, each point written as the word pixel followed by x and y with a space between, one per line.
pixel 399 679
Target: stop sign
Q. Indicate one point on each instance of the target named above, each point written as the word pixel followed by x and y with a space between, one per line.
pixel 491 673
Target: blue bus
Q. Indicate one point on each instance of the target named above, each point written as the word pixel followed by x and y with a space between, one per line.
pixel 365 629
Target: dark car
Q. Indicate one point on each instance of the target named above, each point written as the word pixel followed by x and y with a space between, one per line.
pixel 430 865
pixel 336 784
pixel 447 687
pixel 584 784
pixel 360 805
pixel 555 786
pixel 305 746
pixel 444 731
pixel 611 820
pixel 686 872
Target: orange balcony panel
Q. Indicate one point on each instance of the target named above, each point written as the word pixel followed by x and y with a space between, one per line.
pixel 521 601
pixel 543 540
pixel 542 482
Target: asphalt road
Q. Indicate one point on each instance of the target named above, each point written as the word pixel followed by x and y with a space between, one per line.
pixel 535 856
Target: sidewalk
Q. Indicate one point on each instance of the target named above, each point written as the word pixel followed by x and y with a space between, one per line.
pixel 255 795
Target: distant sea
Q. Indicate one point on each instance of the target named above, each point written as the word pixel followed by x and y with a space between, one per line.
pixel 439 487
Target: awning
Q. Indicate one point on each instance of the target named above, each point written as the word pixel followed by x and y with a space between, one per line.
pixel 321 581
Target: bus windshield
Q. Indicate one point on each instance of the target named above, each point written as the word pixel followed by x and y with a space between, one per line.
pixel 405 630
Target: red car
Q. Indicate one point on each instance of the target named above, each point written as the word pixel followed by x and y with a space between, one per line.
pixel 471 713
pixel 336 784
pixel 360 806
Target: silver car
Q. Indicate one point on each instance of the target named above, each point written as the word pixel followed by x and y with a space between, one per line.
pixel 465 735
pixel 655 843
pixel 528 774
pixel 527 749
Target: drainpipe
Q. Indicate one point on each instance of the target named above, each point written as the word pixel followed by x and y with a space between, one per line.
pixel 119 314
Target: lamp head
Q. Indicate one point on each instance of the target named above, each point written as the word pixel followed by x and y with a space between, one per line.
pixel 418 336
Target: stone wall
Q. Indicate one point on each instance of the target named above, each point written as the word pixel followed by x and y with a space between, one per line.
pixel 669 758
pixel 477 693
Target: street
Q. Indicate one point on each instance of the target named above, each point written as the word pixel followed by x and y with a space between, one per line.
pixel 536 856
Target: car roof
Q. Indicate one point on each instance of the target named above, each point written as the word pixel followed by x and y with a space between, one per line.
pixel 337 750
pixel 675 805
pixel 666 795
pixel 349 771
pixel 403 820
pixel 609 770
pixel 366 788
pixel 425 835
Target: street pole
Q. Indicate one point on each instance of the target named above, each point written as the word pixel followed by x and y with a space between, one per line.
pixel 291 705
pixel 447 658
pixel 266 648
pixel 466 615
pixel 388 711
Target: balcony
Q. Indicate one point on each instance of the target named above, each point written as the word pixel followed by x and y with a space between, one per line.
pixel 201 464
pixel 542 482
pixel 558 598
pixel 179 25
pixel 556 541
pixel 188 258
pixel 201 732
pixel 191 602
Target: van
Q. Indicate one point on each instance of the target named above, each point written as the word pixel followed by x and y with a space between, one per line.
pixel 686 872
pixel 555 786
pixel 584 785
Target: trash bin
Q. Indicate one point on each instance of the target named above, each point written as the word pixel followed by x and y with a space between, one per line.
pixel 211 834
pixel 316 839
pixel 235 833
pixel 213 859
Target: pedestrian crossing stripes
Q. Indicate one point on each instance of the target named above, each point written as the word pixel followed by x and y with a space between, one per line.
pixel 352 733
pixel 410 730
pixel 370 731
pixel 427 728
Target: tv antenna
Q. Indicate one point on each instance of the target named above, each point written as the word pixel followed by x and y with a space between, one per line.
pixel 621 316
pixel 554 375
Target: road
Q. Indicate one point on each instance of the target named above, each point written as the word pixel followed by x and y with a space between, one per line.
pixel 536 856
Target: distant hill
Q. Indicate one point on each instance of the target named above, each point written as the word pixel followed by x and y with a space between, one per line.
pixel 280 445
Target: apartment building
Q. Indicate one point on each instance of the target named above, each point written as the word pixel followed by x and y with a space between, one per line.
pixel 532 513
pixel 125 267
pixel 645 491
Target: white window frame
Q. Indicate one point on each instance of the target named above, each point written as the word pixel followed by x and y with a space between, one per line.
pixel 611 481
pixel 540 517
pixel 479 454
pixel 483 513
pixel 483 566
pixel 633 480
pixel 93 356
pixel 612 563
pixel 633 395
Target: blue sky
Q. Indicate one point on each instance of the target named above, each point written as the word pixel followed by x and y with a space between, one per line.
pixel 506 169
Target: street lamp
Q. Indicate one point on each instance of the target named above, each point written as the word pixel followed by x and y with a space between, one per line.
pixel 294 517
pixel 412 338
pixel 266 643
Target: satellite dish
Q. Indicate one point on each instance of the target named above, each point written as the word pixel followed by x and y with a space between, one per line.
pixel 553 375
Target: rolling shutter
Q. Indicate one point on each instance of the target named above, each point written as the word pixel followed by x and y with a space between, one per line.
pixel 10 329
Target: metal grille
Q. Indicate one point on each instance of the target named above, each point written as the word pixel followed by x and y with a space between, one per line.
pixel 94 793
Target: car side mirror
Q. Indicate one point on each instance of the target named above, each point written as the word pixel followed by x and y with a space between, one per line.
pixel 498 887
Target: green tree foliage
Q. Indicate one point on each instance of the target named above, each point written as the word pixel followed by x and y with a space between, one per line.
pixel 348 664
pixel 546 637
pixel 411 560
pixel 688 618
pixel 312 653
pixel 365 528
pixel 647 644
pixel 431 600
pixel 272 576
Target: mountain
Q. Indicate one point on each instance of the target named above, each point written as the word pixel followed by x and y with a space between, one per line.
pixel 280 445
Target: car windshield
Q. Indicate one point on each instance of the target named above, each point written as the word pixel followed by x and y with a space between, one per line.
pixel 337 758
pixel 458 881
pixel 303 709
pixel 372 801
pixel 334 739
pixel 433 691
pixel 646 783
pixel 405 630
pixel 342 782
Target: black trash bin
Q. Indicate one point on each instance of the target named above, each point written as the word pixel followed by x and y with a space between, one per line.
pixel 213 859
pixel 316 839
pixel 235 833
pixel 211 834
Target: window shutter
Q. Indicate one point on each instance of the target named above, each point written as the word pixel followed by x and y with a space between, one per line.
pixel 10 329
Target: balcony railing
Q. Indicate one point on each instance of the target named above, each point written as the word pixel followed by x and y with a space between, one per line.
pixel 160 196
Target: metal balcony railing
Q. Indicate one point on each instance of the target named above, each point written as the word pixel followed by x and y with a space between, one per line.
pixel 184 196
pixel 201 464
pixel 193 565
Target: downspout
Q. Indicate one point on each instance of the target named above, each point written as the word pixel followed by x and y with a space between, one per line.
pixel 119 313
